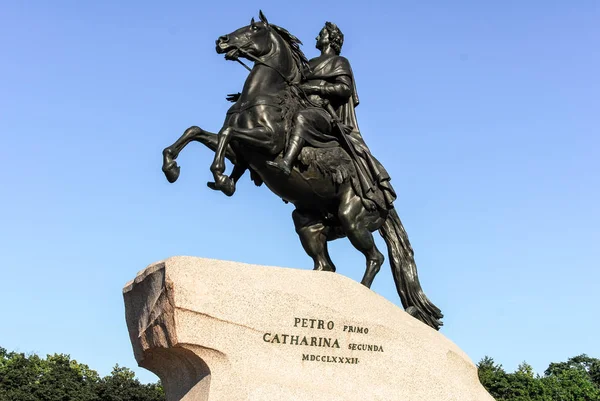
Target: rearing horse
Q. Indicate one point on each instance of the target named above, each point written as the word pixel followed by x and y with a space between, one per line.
pixel 320 185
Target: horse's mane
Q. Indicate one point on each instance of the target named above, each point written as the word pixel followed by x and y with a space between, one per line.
pixel 294 44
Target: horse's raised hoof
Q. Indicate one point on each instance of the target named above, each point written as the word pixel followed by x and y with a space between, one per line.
pixel 228 186
pixel 224 184
pixel 171 171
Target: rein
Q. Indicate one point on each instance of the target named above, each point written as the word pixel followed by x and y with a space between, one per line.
pixel 259 61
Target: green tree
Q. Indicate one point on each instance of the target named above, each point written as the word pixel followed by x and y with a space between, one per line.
pixel 66 379
pixel 571 385
pixel 493 377
pixel 121 385
pixel 59 378
pixel 56 378
pixel 574 380
pixel 523 385
pixel 594 372
pixel 582 363
pixel 19 376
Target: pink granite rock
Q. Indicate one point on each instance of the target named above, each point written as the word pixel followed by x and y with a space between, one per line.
pixel 223 331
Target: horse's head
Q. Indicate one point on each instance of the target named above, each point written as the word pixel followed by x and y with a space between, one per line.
pixel 254 39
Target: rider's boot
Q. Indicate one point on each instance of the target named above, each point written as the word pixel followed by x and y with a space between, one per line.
pixel 284 165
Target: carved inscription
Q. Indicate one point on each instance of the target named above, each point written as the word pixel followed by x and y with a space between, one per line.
pixel 325 338
pixel 328 358
pixel 310 323
pixel 301 340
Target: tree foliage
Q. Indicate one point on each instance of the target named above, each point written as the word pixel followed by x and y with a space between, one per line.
pixel 60 378
pixel 573 380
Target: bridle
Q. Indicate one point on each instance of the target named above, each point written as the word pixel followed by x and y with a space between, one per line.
pixel 259 61
pixel 240 49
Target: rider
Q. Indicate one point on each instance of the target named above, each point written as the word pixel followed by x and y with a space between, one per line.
pixel 331 81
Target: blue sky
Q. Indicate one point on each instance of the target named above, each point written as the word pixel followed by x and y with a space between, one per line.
pixel 486 115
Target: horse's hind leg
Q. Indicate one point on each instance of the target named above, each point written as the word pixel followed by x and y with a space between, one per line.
pixel 313 235
pixel 358 223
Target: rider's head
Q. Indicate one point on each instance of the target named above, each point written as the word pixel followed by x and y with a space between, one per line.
pixel 330 35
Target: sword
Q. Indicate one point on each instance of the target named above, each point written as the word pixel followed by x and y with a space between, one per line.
pixel 345 141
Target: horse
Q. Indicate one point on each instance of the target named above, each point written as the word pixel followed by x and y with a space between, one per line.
pixel 327 206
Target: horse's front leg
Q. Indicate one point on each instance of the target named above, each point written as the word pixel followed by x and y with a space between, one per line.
pixel 236 174
pixel 257 137
pixel 170 153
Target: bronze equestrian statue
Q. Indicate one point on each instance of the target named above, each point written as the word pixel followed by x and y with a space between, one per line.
pixel 293 127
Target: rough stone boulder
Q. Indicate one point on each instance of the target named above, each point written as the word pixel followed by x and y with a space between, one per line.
pixel 224 331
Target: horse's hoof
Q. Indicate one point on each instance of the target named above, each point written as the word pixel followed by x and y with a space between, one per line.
pixel 223 184
pixel 171 171
pixel 325 268
pixel 228 186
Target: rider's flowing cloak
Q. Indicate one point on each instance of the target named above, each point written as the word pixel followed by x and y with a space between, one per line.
pixel 373 178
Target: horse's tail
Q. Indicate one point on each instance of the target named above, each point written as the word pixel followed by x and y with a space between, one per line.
pixel 404 270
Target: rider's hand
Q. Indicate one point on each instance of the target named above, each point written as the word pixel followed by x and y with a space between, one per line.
pixel 233 97
pixel 310 89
